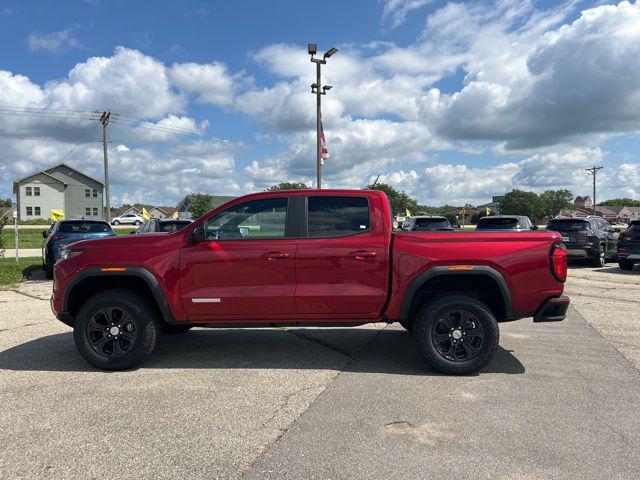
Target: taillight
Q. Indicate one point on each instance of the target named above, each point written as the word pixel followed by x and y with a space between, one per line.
pixel 55 238
pixel 559 263
pixel 625 234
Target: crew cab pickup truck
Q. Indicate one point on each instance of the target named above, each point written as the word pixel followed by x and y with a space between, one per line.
pixel 308 258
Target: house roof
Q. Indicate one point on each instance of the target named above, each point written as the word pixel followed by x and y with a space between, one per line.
pixel 580 199
pixel 47 171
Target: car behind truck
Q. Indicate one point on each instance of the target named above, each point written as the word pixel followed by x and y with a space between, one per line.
pixel 308 258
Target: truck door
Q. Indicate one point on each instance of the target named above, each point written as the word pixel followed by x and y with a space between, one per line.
pixel 241 264
pixel 343 258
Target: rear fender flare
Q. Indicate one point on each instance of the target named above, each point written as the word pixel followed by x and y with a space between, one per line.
pixel 478 270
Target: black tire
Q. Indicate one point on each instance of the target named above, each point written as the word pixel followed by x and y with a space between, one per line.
pixel 115 222
pixel 175 329
pixel 625 264
pixel 435 338
pixel 601 259
pixel 48 271
pixel 407 325
pixel 134 340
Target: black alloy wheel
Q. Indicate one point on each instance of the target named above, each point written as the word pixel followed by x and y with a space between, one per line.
pixel 116 329
pixel 601 260
pixel 112 331
pixel 458 335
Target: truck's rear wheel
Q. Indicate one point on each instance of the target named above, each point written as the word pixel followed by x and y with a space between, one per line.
pixel 115 330
pixel 456 334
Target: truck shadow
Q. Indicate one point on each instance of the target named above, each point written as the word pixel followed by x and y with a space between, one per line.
pixel 390 351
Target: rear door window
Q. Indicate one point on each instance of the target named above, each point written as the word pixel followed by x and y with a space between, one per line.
pixel 337 216
pixel 84 227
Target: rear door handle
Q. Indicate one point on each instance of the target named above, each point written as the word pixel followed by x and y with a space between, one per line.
pixel 276 255
pixel 363 254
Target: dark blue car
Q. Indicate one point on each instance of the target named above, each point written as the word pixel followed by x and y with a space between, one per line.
pixel 64 232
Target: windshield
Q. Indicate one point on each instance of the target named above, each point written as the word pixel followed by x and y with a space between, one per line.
pixel 431 223
pixel 173 226
pixel 567 225
pixel 497 224
pixel 84 227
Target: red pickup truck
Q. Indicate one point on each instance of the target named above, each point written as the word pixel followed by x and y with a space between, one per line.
pixel 308 258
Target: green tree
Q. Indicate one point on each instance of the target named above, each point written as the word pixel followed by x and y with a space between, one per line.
pixel 6 202
pixel 287 186
pixel 200 203
pixel 554 201
pixel 520 202
pixel 400 202
pixel 621 202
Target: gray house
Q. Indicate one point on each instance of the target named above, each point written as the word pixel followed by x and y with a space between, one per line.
pixel 58 188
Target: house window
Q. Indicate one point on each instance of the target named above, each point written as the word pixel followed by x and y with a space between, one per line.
pixel 29 211
pixel 36 191
pixel 28 191
pixel 95 192
pixel 95 211
pixel 87 211
pixel 37 211
pixel 87 192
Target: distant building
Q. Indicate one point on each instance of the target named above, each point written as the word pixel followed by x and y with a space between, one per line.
pixel 58 188
pixel 184 207
pixel 154 211
pixel 585 203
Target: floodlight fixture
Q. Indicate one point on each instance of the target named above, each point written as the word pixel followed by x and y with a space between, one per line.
pixel 330 52
pixel 313 48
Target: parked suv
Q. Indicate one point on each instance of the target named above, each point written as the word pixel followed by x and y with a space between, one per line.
pixel 590 238
pixel 516 223
pixel 629 246
pixel 66 232
pixel 128 219
pixel 157 225
pixel 426 223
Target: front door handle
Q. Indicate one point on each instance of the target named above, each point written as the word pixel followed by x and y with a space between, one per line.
pixel 276 255
pixel 363 254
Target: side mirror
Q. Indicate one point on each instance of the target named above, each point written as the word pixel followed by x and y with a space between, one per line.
pixel 45 234
pixel 198 234
pixel 244 231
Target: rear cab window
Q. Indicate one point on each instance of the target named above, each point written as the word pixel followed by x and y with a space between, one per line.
pixel 432 223
pixel 497 224
pixel 329 216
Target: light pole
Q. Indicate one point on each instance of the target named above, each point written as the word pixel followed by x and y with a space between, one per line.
pixel 319 90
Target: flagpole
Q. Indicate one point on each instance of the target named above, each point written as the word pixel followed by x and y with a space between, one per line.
pixel 318 89
pixel 318 140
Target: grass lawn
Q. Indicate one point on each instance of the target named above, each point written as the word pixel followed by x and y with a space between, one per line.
pixel 12 272
pixel 32 238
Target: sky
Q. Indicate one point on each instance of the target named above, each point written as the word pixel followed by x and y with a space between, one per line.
pixel 452 102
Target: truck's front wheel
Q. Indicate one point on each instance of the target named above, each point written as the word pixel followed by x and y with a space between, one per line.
pixel 456 334
pixel 115 330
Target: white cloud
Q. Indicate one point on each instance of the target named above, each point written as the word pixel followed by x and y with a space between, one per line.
pixel 396 10
pixel 54 41
pixel 212 82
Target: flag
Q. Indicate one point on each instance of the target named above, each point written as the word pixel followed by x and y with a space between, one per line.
pixel 488 210
pixel 145 214
pixel 57 215
pixel 407 213
pixel 176 215
pixel 324 151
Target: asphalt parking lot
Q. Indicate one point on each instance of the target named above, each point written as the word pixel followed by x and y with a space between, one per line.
pixel 558 401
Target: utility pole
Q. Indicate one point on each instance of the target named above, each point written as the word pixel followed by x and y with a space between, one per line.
pixel 318 90
pixel 594 171
pixel 104 120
